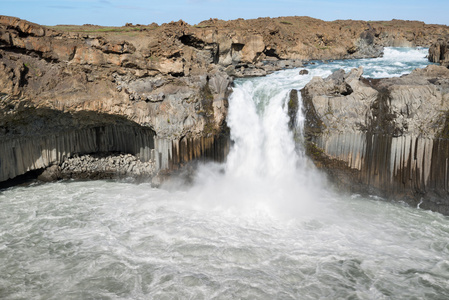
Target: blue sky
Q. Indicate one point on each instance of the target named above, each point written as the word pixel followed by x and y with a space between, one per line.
pixel 119 12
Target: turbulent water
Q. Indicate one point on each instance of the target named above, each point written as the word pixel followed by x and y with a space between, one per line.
pixel 264 225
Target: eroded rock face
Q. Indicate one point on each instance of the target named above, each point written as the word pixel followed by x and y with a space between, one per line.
pixel 62 76
pixel 439 52
pixel 387 137
pixel 34 139
pixel 170 82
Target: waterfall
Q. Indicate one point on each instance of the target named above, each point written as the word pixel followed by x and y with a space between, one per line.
pixel 265 172
pixel 264 146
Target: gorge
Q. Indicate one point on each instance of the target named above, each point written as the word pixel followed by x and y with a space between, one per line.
pixel 159 96
pixel 264 224
pixel 169 83
pixel 297 131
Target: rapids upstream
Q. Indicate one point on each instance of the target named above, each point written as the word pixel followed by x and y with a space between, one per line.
pixel 263 225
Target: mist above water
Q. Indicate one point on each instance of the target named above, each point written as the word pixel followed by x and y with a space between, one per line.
pixel 264 173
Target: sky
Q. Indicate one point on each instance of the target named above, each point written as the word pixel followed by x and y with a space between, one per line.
pixel 120 12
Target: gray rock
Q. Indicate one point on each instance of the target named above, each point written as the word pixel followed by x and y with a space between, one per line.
pixel 51 173
pixel 439 52
pixel 388 136
pixel 119 166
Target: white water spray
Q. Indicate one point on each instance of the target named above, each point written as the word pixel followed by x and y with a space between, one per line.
pixel 264 172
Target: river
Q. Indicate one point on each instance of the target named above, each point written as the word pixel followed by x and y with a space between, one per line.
pixel 263 225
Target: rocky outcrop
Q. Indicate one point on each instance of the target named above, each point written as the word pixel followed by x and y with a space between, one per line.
pixel 63 95
pixel 439 52
pixel 33 139
pixel 292 110
pixel 259 46
pixel 100 166
pixel 387 137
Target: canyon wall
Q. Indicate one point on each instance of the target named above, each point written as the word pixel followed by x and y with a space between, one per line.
pixel 386 137
pixel 62 96
pixel 157 92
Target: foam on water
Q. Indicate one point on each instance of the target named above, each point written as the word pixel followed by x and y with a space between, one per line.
pixel 117 240
pixel 262 226
pixel 395 62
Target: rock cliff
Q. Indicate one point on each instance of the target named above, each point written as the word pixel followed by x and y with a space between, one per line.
pixel 439 52
pixel 64 94
pixel 383 136
pixel 156 92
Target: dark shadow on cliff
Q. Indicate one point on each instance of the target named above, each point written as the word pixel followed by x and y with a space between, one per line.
pixel 35 138
pixel 31 121
pixel 21 180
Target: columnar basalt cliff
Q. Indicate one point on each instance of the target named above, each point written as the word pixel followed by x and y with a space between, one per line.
pixel 63 95
pixel 156 92
pixel 383 136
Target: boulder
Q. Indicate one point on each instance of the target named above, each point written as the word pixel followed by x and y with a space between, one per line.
pixel 365 46
pixel 51 173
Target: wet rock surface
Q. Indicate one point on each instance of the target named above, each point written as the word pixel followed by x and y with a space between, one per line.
pixel 383 136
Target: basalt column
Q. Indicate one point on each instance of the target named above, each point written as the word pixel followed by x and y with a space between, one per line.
pixel 386 137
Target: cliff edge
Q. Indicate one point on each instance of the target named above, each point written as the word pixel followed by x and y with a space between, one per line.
pixel 387 137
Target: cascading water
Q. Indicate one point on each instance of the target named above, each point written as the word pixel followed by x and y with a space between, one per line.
pixel 264 225
pixel 264 172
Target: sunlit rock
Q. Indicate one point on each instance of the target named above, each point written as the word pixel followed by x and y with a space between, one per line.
pixel 387 136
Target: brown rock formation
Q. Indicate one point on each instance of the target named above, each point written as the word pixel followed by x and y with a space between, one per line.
pixel 439 52
pixel 386 136
pixel 62 75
